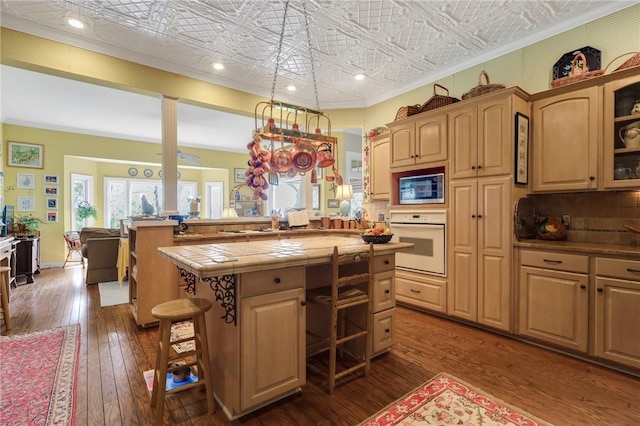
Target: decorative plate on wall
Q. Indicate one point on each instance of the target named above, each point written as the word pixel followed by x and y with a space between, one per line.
pixel 562 68
pixel 148 172
pixel 133 171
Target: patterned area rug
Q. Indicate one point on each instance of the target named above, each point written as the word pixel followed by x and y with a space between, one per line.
pixel 45 367
pixel 446 400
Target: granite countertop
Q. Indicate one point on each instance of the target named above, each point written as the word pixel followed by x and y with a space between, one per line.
pixel 579 247
pixel 207 260
pixel 230 235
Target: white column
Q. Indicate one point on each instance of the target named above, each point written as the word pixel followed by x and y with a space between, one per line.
pixel 169 155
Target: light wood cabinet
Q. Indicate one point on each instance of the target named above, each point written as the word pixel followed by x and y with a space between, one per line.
pixel 380 175
pixel 479 287
pixel 565 138
pixel 554 298
pixel 621 166
pixel 421 291
pixel 617 311
pixel 481 141
pixel 152 279
pixel 420 141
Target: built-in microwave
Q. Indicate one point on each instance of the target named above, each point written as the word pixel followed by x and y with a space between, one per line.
pixel 422 189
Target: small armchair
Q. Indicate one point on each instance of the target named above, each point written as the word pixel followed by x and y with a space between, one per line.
pixel 100 248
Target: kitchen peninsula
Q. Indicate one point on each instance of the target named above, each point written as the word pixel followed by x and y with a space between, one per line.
pixel 256 329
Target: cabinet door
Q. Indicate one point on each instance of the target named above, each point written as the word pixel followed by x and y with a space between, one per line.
pixel 566 131
pixel 383 291
pixel 380 173
pixel 463 134
pixel 272 343
pixel 402 145
pixel 431 139
pixel 553 307
pixel 383 331
pixel 494 252
pixel 621 166
pixel 617 321
pixel 495 142
pixel 462 293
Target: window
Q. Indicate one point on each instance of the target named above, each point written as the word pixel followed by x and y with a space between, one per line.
pixel 139 197
pixel 81 190
pixel 287 195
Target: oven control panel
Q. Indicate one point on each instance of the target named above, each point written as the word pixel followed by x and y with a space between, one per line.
pixel 424 216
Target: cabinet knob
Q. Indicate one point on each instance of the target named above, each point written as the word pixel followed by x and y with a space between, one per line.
pixel 277 280
pixel 473 216
pixel 582 286
pixel 303 303
pixel 479 216
pixel 592 178
pixel 386 262
pixel 479 166
pixel 387 291
pixel 387 330
pixel 473 167
pixel 600 290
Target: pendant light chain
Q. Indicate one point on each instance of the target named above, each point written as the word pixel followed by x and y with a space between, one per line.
pixel 313 70
pixel 275 74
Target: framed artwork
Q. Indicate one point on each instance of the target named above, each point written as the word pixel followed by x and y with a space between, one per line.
pixel 315 197
pixel 52 203
pixel 522 148
pixel 51 179
pixel 52 217
pixel 333 203
pixel 238 175
pixel 25 155
pixel 51 190
pixel 26 180
pixel 26 204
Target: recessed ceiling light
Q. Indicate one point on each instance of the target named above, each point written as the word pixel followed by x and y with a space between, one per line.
pixel 359 77
pixel 291 88
pixel 75 23
pixel 218 66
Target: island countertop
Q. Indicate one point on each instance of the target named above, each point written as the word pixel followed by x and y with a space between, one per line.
pixel 209 260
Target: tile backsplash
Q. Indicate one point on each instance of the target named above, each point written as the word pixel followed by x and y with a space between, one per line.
pixel 597 217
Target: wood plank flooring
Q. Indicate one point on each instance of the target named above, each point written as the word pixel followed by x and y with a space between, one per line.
pixel 114 352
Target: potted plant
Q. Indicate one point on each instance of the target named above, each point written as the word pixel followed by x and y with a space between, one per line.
pixel 86 210
pixel 26 225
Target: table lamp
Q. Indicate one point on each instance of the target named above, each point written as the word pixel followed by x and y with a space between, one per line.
pixel 344 193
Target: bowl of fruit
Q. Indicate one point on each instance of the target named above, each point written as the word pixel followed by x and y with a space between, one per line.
pixel 377 235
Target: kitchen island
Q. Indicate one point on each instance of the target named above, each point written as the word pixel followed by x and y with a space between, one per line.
pixel 256 329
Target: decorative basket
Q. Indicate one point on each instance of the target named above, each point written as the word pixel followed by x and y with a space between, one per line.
pixel 376 239
pixel 482 88
pixel 634 61
pixel 407 111
pixel 437 101
pixel 579 72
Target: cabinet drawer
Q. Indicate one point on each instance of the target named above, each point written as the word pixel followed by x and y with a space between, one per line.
pixel 384 263
pixel 383 291
pixel 262 282
pixel 618 268
pixel 555 260
pixel 423 292
pixel 383 330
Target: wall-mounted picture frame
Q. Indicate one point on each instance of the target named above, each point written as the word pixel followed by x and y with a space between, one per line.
pixel 238 175
pixel 25 155
pixel 52 217
pixel 52 203
pixel 521 149
pixel 26 204
pixel 51 179
pixel 333 203
pixel 51 190
pixel 315 196
pixel 26 180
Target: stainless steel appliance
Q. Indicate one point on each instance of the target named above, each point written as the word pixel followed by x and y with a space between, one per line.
pixel 426 229
pixel 422 189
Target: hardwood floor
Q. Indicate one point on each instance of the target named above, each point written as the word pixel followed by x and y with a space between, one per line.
pixel 114 352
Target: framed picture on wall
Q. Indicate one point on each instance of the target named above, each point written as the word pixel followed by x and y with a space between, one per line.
pixel 50 190
pixel 26 180
pixel 522 148
pixel 52 203
pixel 51 179
pixel 238 175
pixel 25 155
pixel 316 197
pixel 26 204
pixel 52 217
pixel 333 203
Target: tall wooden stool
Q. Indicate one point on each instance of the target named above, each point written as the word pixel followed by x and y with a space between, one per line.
pixel 169 313
pixel 4 294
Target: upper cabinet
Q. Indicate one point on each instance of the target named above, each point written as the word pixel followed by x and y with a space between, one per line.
pixel 621 133
pixel 420 141
pixel 380 176
pixel 481 139
pixel 565 141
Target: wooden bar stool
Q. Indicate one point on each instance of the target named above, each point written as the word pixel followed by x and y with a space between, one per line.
pixel 168 313
pixel 4 294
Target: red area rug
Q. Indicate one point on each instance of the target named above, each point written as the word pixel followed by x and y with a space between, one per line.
pixel 446 400
pixel 38 375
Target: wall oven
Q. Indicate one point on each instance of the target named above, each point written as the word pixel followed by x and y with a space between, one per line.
pixel 426 229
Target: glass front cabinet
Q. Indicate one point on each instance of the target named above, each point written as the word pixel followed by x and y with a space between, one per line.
pixel 622 133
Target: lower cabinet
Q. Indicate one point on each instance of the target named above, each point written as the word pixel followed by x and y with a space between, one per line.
pixel 384 302
pixel 421 291
pixel 617 311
